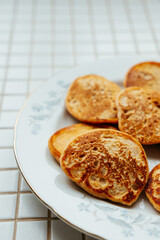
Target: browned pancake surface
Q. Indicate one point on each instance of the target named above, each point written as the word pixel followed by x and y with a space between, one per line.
pixel 108 164
pixel 139 114
pixel 146 75
pixel 91 99
pixel 152 189
pixel 60 139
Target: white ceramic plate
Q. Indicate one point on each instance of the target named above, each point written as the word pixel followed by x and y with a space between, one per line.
pixel 42 115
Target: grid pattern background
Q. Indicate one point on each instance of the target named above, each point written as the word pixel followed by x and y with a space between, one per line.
pixel 39 38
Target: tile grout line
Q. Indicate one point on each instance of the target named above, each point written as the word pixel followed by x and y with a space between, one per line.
pixel 17 207
pixel 14 11
pixel 38 219
pixel 72 24
pixel 111 23
pixel 8 169
pixel 6 147
pixel 11 193
pixel 12 94
pixel 33 23
pixel 91 22
pixel 53 33
pixel 49 225
pixel 149 20
pixel 6 128
pixel 128 14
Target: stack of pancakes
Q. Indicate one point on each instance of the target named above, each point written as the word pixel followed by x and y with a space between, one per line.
pixel 107 162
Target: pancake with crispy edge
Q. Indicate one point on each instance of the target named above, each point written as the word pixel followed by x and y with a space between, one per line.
pixel 139 114
pixel 146 75
pixel 152 189
pixel 91 99
pixel 107 164
pixel 60 139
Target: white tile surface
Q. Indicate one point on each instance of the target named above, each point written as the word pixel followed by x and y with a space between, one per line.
pixel 103 37
pixel 64 60
pixel 140 36
pixel 32 230
pixel 6 230
pixel 8 181
pixel 13 102
pixel 41 37
pixel 17 73
pixel 63 48
pixel 6 27
pixel 7 159
pixel 22 27
pixel 105 48
pixel 83 59
pixel 4 48
pixel 8 119
pixel 7 206
pixel 42 60
pixel 79 37
pixel 126 47
pixel 21 38
pixel 1 86
pixel 42 73
pixel 3 59
pixel 16 87
pixel 4 37
pixel 22 60
pixel 84 48
pixel 42 48
pixel 2 74
pixel 31 207
pixel 24 186
pixel 68 232
pixel 6 139
pixel 147 47
pixel 63 38
pixel 20 48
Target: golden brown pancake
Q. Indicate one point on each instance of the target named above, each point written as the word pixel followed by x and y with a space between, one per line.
pixel 107 164
pixel 91 99
pixel 60 139
pixel 146 75
pixel 152 189
pixel 139 114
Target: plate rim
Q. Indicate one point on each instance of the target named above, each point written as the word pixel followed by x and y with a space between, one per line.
pixel 16 125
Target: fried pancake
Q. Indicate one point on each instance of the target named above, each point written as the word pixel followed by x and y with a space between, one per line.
pixel 139 114
pixel 107 164
pixel 60 139
pixel 91 99
pixel 146 75
pixel 152 189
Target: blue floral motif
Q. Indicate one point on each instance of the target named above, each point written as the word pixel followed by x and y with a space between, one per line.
pixel 127 232
pixel 63 83
pixel 84 207
pixel 126 214
pixel 36 128
pixel 119 222
pixel 154 232
pixel 40 117
pixel 52 94
pixel 46 109
pixel 37 108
